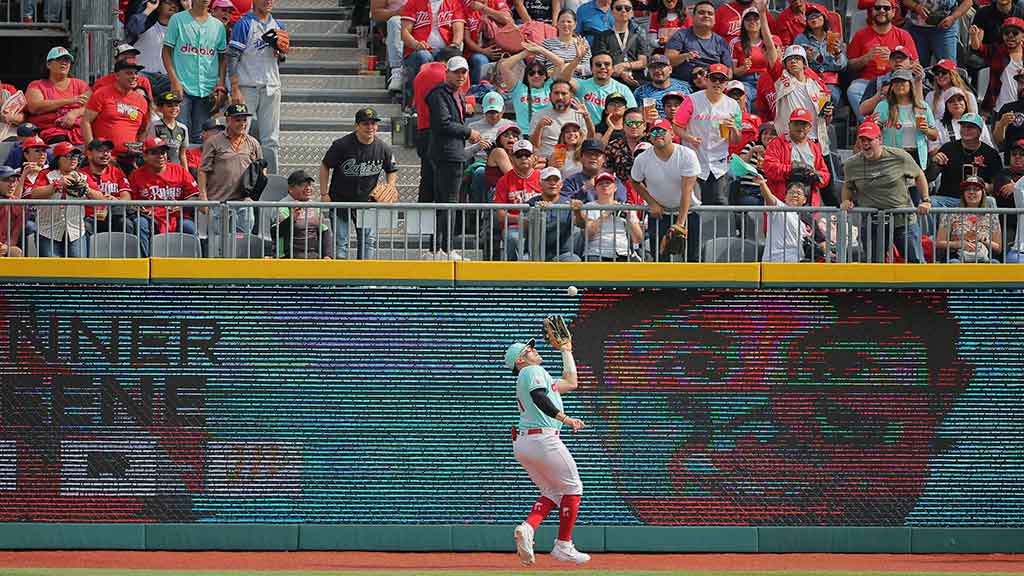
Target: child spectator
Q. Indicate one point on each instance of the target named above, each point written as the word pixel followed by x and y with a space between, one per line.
pixel 168 129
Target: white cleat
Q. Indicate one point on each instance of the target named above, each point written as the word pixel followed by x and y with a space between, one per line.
pixel 524 543
pixel 566 552
pixel 395 82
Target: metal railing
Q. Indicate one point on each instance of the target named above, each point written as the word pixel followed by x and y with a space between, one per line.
pixel 95 30
pixel 607 233
pixel 34 14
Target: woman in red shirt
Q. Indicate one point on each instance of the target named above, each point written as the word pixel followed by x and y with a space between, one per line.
pixel 749 60
pixel 669 16
pixel 57 102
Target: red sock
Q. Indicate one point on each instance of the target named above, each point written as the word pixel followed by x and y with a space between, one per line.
pixel 567 517
pixel 541 507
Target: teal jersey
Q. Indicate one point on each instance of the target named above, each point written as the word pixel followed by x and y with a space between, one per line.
pixel 195 49
pixel 594 96
pixel 530 378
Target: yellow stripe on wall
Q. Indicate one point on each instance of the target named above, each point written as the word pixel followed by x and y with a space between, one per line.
pixel 133 269
pixel 179 269
pixel 606 273
pixel 859 275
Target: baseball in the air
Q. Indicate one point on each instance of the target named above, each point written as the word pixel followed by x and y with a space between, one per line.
pixel 571 290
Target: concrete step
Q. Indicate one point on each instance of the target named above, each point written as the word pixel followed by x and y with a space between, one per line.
pixel 347 68
pixel 290 5
pixel 330 116
pixel 303 25
pixel 323 82
pixel 374 96
pixel 299 55
pixel 335 14
pixel 325 40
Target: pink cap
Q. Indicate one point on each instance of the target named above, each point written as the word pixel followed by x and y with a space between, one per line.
pixel 604 177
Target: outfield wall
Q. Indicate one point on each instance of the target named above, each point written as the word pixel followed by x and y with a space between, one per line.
pixel 313 415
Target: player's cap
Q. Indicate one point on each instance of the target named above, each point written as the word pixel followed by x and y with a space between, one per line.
pixel 1013 22
pixel 61 52
pixel 214 124
pixel 64 149
pixel 592 145
pixel 6 172
pixel 514 350
pixel 168 98
pixel 299 177
pixel 615 97
pixel 673 94
pixel 367 115
pixel 522 145
pixel 457 63
pixel 34 142
pixel 973 118
pixel 658 60
pixel 719 70
pixel 99 144
pixel 154 143
pixel 945 64
pixel 869 129
pixel 901 49
pixel 604 177
pixel 801 115
pixel 550 172
pixel 794 50
pixel 125 48
pixel 972 182
pixel 27 129
pixel 493 102
pixel 662 124
pixel 735 85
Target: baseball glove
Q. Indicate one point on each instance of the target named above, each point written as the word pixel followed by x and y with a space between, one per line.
pixel 677 239
pixel 556 331
pixel 284 42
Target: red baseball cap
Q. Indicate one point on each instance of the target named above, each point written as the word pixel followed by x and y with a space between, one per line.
pixel 801 115
pixel 663 124
pixel 945 64
pixel 35 142
pixel 719 69
pixel 1013 22
pixel 869 129
pixel 63 149
pixel 1018 144
pixel 152 143
pixel 902 50
pixel 604 176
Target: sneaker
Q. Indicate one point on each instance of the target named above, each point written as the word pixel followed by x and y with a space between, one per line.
pixel 524 543
pixel 566 552
pixel 453 255
pixel 395 83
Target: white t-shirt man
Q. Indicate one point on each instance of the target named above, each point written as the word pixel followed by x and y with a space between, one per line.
pixel 703 122
pixel 663 178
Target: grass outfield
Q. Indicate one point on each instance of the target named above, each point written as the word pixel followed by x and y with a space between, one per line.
pixel 109 572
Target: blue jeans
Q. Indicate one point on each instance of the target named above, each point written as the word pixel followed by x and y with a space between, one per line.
pixel 243 223
pixel 855 93
pixel 195 110
pixel 837 94
pixel 906 239
pixel 514 250
pixel 1014 257
pixel 366 239
pixel 144 228
pixel 50 248
pixel 477 61
pixel 750 83
pixel 935 42
pixel 53 11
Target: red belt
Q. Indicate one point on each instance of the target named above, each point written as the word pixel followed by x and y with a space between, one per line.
pixel 538 431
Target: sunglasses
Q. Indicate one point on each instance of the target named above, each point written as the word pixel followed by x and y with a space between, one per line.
pixel 655 132
pixel 1011 33
pixel 623 8
pixel 537 72
pixel 881 8
pixel 634 123
pixel 602 65
pixel 718 79
pixel 699 73
pixel 522 154
pixel 942 72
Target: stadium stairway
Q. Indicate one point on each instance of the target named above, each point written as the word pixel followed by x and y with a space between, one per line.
pixel 324 83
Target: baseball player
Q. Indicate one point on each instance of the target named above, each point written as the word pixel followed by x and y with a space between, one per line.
pixel 537 444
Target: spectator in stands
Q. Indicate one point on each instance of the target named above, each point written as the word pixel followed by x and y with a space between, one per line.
pixel 226 157
pixel 667 16
pixel 797 87
pixel 517 186
pixel 497 161
pixel 12 218
pixel 106 178
pixel 390 11
pixel 117 112
pixel 428 28
pixel 125 52
pixel 826 54
pixel 569 160
pixel 167 128
pixel 564 46
pixel 593 92
pixel 975 238
pixel 592 162
pixel 953 110
pixel 610 234
pixel 709 126
pixel 626 43
pixel 60 228
pixel 751 123
pixel 56 103
pixel 659 69
pixel 258 45
pixel 729 18
pixel 870 48
pixel 699 45
pixel 899 59
pixel 907 122
pixel 794 156
pixel 546 126
pixel 748 53
pixel 532 93
pixel 665 177
pixel 876 177
pixel 1015 255
pixel 146 31
pixel 53 11
pixel 479 51
pixel 488 127
pixel 989 18
pixel 611 124
pixel 302 233
pixel 26 132
pixel 594 17
pixel 193 56
pixel 559 231
pixel 968 156
pixel 622 149
pixel 794 20
pixel 1010 118
pixel 362 168
pixel 946 77
pixel 158 179
pixel 129 157
pixel 448 136
pixel 431 74
pixel 224 10
pixel 36 156
pixel 935 27
pixel 671 102
pixel 785 231
pixel 540 10
pixel 1004 184
pixel 194 154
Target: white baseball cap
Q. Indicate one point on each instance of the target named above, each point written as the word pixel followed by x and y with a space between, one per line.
pixel 521 145
pixel 735 85
pixel 549 172
pixel 457 63
pixel 792 50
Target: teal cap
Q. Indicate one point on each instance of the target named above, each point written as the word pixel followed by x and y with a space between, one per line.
pixel 493 102
pixel 59 52
pixel 514 350
pixel 973 118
